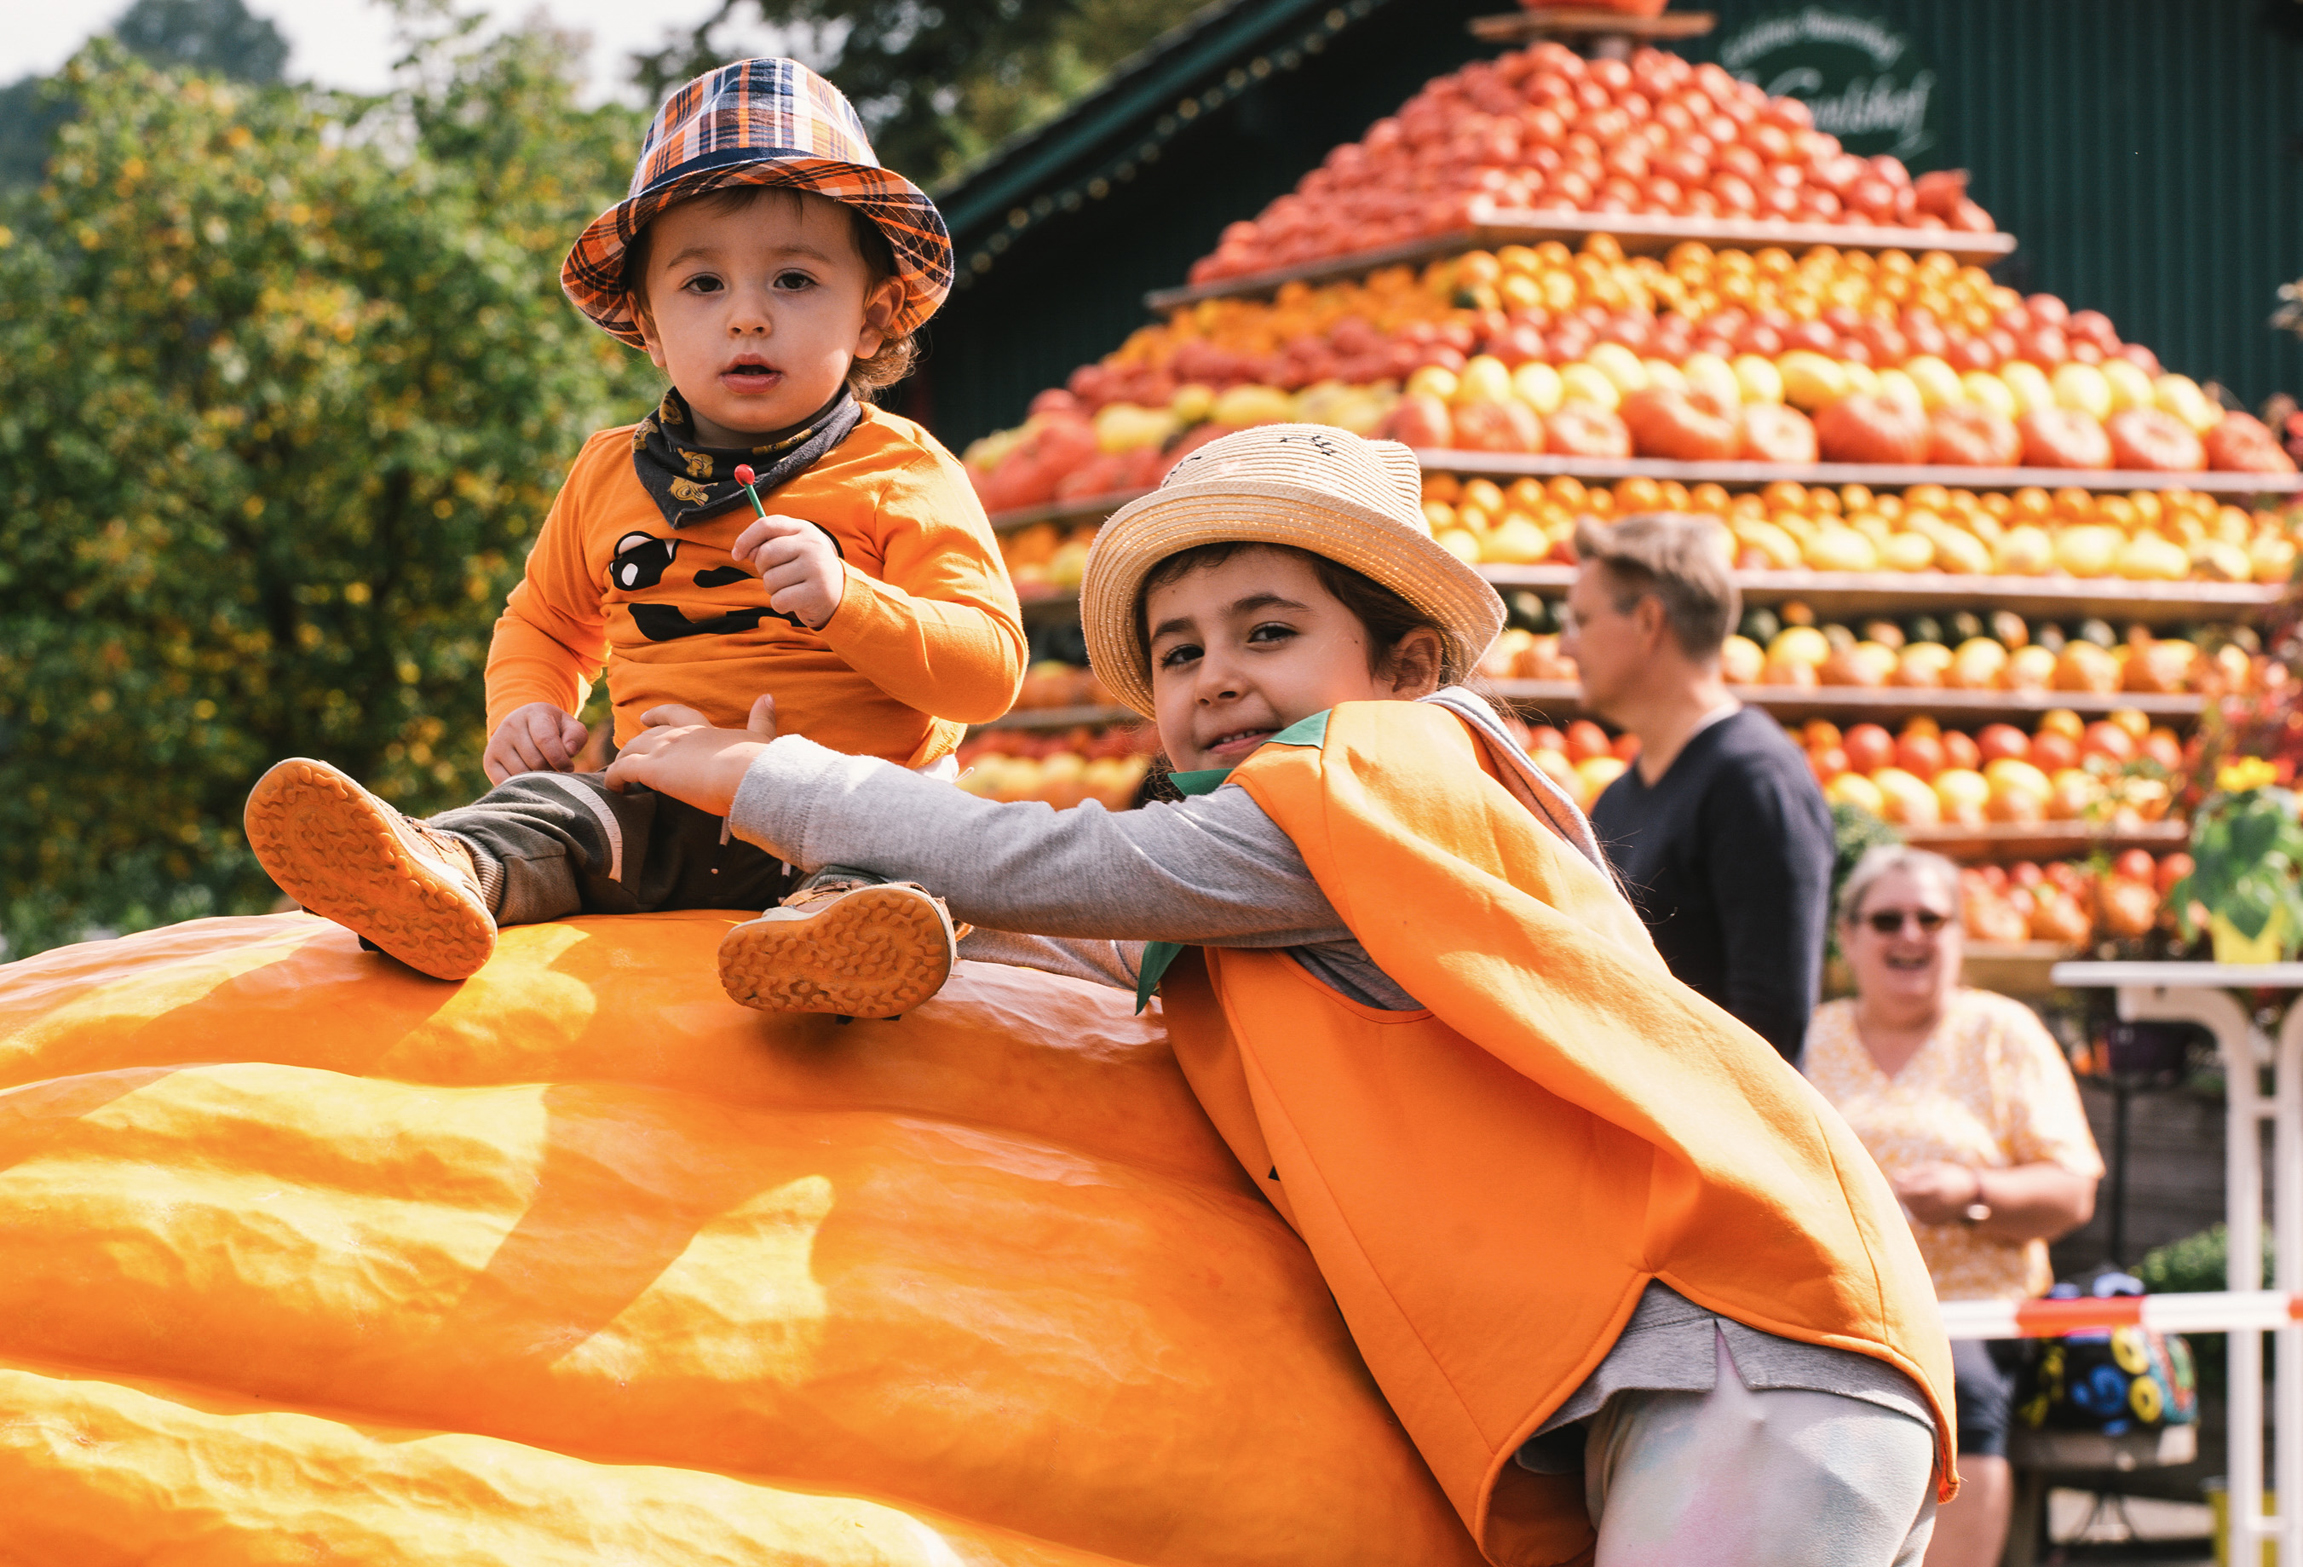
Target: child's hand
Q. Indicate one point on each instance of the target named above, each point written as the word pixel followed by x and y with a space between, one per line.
pixel 538 738
pixel 797 562
pixel 682 755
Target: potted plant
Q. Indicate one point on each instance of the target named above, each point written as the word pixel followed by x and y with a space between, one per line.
pixel 2246 849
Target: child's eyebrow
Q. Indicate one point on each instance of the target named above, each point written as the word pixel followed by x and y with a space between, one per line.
pixel 1256 601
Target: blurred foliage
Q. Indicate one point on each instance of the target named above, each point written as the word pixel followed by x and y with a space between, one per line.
pixel 215 36
pixel 938 85
pixel 290 386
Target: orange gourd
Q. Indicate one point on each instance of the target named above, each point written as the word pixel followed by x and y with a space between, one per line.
pixel 308 1258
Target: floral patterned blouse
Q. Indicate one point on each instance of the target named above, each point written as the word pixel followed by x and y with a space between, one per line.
pixel 1989 1090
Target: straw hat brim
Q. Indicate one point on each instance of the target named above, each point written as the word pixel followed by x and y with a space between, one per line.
pixel 592 276
pixel 1466 611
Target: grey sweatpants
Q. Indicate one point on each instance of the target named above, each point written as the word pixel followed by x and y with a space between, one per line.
pixel 555 844
pixel 1781 1477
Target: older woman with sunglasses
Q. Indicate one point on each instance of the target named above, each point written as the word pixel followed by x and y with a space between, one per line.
pixel 1969 1107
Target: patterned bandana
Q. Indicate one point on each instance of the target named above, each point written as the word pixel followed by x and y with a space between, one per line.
pixel 690 483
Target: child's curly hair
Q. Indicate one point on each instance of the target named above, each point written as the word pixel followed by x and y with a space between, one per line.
pixel 866 377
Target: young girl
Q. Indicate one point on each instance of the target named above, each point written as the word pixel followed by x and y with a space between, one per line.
pixel 1615 1265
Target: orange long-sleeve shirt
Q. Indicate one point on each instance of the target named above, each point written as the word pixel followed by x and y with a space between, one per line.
pixel 927 638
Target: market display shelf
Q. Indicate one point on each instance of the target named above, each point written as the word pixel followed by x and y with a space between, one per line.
pixel 1882 704
pixel 1062 718
pixel 1848 595
pixel 1738 476
pixel 1853 703
pixel 2007 841
pixel 1638 235
pixel 2013 968
pixel 1590 21
pixel 1755 475
pixel 1851 595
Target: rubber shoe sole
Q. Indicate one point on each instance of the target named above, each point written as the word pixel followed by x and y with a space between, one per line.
pixel 875 952
pixel 342 853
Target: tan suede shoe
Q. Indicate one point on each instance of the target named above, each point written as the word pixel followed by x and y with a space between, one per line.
pixel 347 856
pixel 845 942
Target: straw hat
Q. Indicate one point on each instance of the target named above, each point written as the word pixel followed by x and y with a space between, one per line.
pixel 1357 502
pixel 760 122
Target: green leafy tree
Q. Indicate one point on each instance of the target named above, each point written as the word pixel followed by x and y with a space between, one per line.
pixel 216 36
pixel 291 386
pixel 938 85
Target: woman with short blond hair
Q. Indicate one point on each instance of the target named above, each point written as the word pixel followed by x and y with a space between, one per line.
pixel 1970 1109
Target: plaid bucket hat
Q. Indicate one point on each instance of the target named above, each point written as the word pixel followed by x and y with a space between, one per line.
pixel 760 122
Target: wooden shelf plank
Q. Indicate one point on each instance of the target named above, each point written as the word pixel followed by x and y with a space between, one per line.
pixel 1846 595
pixel 1586 21
pixel 1754 475
pixel 1880 704
pixel 2005 841
pixel 1638 235
pixel 2013 968
pixel 1063 718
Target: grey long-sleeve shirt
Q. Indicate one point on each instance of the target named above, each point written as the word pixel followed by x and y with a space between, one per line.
pixel 1213 870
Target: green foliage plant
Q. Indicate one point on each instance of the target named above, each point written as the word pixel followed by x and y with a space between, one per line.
pixel 291 385
pixel 2246 848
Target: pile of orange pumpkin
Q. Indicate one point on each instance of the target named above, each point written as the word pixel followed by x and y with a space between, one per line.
pixel 1060 769
pixel 2068 903
pixel 1543 130
pixel 2114 771
pixel 2167 535
pixel 1704 356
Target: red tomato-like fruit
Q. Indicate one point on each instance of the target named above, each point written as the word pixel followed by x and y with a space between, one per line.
pixel 1586 430
pixel 1920 754
pixel 1422 419
pixel 2172 869
pixel 1866 429
pixel 1498 427
pixel 2063 438
pixel 1869 748
pixel 2135 865
pixel 2107 740
pixel 1626 748
pixel 1665 423
pixel 1827 762
pixel 2051 752
pixel 1587 741
pixel 1960 750
pixel 1776 432
pixel 2242 443
pixel 1999 741
pixel 2154 440
pixel 1968 435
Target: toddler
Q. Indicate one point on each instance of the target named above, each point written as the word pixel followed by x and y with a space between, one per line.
pixel 775 273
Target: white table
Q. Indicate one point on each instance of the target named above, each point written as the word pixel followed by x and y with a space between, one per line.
pixel 2201 993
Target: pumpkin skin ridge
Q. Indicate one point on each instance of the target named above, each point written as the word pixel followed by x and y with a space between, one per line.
pixel 821 1064
pixel 225 1412
pixel 1422 1530
pixel 777 1475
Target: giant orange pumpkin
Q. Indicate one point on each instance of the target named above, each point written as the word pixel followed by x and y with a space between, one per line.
pixel 306 1258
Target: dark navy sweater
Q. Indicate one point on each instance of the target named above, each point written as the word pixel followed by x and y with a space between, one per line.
pixel 1728 858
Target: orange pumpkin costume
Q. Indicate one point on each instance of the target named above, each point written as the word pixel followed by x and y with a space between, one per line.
pixel 1488 1185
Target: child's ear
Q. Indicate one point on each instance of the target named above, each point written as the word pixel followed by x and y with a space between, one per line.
pixel 647 326
pixel 880 307
pixel 1416 663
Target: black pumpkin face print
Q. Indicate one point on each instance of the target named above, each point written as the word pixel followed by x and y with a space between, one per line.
pixel 641 561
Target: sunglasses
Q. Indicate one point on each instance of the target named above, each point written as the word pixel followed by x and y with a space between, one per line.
pixel 1888 922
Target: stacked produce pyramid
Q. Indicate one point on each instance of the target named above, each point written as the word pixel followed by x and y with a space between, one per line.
pixel 1997 558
